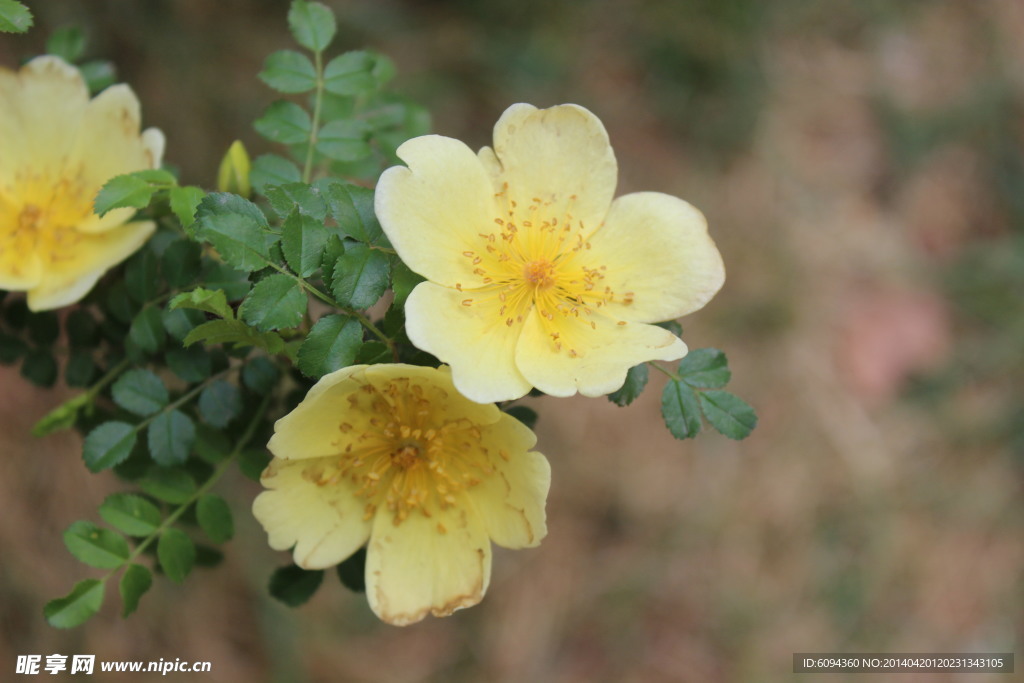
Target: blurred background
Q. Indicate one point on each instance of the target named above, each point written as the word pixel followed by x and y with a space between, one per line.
pixel 860 164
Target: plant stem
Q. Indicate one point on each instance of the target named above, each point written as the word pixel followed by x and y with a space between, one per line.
pixel 663 371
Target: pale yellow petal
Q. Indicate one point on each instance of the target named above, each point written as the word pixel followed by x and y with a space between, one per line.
pixel 427 565
pixel 305 508
pixel 603 353
pixel 313 429
pixel 658 256
pixel 444 397
pixel 560 156
pixel 511 499
pixel 70 270
pixel 473 339
pixel 434 210
pixel 19 271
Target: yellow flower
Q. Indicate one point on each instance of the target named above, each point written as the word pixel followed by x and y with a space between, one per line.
pixel 535 276
pixel 57 149
pixel 395 455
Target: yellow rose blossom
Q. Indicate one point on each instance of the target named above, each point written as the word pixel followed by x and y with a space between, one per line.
pixel 535 276
pixel 57 149
pixel 394 455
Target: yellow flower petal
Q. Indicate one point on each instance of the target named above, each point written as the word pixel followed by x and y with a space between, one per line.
pixel 658 252
pixel 435 209
pixel 559 155
pixel 414 569
pixel 591 360
pixel 473 339
pixel 511 503
pixel 322 519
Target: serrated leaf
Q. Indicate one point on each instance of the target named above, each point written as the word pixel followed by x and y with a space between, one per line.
pixel 192 364
pixel 170 438
pixel 95 546
pixel 214 517
pixel 40 368
pixel 332 252
pixel 210 301
pixel 294 585
pixel 284 122
pixel 108 444
pixel 75 608
pixel 373 352
pixel 271 169
pixel 705 369
pixel 275 302
pixel 212 445
pixel 352 571
pixel 350 74
pixel 177 554
pixel 132 190
pixel 135 582
pixel 80 369
pixel 636 380
pixel 180 322
pixel 169 484
pixel 235 332
pixel 219 403
pixel 680 409
pixel 184 201
pixel 352 208
pixel 260 375
pixel 728 413
pixel 403 281
pixel 67 42
pixel 284 199
pixel 237 228
pixel 289 71
pixel 303 239
pixel 14 17
pixel 672 326
pixel 332 344
pixel 130 514
pixel 361 276
pixel 344 140
pixel 525 414
pixel 98 74
pixel 142 275
pixel 147 330
pixel 140 392
pixel 312 24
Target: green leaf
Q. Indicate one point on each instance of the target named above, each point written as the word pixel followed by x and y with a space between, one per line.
pixel 135 581
pixel 11 348
pixel 169 484
pixel 234 283
pixel 352 208
pixel 95 546
pixel 130 514
pixel 728 413
pixel 212 445
pixel 636 380
pixel 219 403
pixel 352 571
pixel 294 585
pixel 361 276
pixel 214 518
pixel 14 18
pixel 180 322
pixel 184 201
pixel 108 444
pixel 260 375
pixel 334 250
pixel 210 301
pixel 303 239
pixel 60 418
pixel 40 368
pixel 140 392
pixel 43 328
pixel 680 409
pixel 332 344
pixel 275 302
pixel 705 369
pixel 289 71
pixel 344 140
pixel 284 199
pixel 192 364
pixel 177 554
pixel 98 74
pixel 525 414
pixel 80 369
pixel 142 275
pixel 235 332
pixel 181 263
pixel 67 42
pixel 403 281
pixel 132 190
pixel 350 74
pixel 170 438
pixel 84 600
pixel 237 228
pixel 672 326
pixel 271 169
pixel 81 329
pixel 284 122
pixel 312 24
pixel 252 462
pixel 147 330
pixel 373 352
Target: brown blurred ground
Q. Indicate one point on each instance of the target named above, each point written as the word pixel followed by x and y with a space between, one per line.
pixel 854 519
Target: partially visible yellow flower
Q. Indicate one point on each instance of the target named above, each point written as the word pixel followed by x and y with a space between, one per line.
pixel 394 455
pixel 535 276
pixel 57 149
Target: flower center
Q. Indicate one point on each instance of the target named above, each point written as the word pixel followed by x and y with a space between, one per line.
pixel 38 215
pixel 540 274
pixel 407 457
